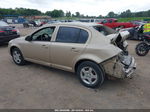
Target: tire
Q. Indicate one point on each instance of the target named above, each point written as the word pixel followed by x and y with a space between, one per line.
pixel 141 49
pixel 18 57
pixel 90 74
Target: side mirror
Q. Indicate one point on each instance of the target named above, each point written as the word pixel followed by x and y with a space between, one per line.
pixel 28 38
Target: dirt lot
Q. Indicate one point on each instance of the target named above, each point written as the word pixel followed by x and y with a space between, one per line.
pixel 36 86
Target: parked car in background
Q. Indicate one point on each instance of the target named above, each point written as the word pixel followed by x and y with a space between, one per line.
pixel 92 51
pixel 53 21
pixel 91 20
pixel 113 23
pixel 68 21
pixel 136 33
pixel 7 32
pixel 27 24
pixel 138 23
pixel 43 22
pixel 38 23
pixel 32 23
pixel 61 21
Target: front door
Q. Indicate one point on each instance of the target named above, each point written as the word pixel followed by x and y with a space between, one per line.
pixel 38 49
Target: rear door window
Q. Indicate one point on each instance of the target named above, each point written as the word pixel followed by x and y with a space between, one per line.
pixel 71 35
pixel 67 34
pixel 83 36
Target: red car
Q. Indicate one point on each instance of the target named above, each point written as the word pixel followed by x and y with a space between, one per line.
pixel 112 23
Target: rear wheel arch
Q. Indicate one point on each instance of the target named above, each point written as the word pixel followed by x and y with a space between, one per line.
pixel 91 79
pixel 84 60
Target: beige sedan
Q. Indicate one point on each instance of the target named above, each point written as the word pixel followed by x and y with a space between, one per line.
pixel 92 51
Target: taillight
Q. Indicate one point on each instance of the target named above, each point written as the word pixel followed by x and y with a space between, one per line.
pixel 2 31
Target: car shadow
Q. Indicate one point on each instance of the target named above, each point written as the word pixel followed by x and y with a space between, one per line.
pixel 109 84
pixel 53 70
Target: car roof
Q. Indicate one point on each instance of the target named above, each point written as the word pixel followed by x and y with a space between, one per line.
pixel 82 24
pixel 77 24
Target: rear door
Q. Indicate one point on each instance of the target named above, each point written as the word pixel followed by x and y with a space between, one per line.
pixel 69 44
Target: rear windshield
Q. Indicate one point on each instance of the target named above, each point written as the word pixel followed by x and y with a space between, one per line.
pixel 104 30
pixel 2 23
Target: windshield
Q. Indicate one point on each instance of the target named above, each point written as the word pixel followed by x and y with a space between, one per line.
pixel 104 30
pixel 2 23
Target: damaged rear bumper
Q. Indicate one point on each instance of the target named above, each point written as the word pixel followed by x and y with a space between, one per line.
pixel 118 68
pixel 128 72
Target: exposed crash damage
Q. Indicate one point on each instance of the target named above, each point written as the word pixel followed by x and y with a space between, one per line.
pixel 123 64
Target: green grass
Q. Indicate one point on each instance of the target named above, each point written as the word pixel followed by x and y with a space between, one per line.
pixel 132 19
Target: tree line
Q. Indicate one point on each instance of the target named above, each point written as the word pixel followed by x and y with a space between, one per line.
pixel 60 13
pixel 128 13
pixel 19 11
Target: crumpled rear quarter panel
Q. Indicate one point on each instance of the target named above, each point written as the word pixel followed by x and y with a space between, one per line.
pixel 113 67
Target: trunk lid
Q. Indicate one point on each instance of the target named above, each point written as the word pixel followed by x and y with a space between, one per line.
pixel 119 39
pixel 121 36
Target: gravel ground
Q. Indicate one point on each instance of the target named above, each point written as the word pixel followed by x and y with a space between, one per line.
pixel 35 86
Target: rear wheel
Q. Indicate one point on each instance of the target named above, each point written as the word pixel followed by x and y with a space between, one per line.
pixel 90 74
pixel 17 57
pixel 142 49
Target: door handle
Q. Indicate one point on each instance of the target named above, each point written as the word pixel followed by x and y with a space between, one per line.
pixel 45 46
pixel 74 49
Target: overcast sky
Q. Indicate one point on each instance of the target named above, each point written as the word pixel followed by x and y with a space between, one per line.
pixel 86 7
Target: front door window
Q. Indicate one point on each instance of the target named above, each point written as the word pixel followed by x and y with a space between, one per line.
pixel 43 35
